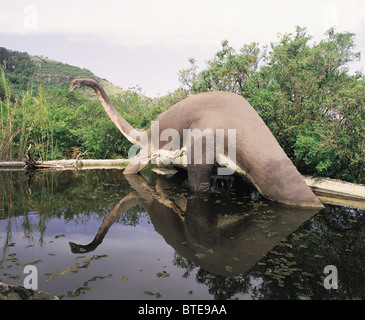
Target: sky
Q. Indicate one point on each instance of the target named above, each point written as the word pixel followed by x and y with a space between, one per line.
pixel 144 43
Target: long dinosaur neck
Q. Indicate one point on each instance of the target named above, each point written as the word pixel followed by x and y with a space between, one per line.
pixel 113 114
pixel 127 202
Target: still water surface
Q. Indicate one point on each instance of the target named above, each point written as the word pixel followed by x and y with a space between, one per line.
pixel 97 234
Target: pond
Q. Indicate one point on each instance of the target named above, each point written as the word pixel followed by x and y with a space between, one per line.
pixel 96 234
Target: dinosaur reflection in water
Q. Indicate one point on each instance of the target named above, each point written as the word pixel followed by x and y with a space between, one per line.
pixel 202 229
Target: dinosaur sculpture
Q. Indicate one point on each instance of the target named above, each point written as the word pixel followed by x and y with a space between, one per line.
pixel 257 155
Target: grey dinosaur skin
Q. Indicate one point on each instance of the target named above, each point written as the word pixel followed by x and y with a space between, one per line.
pixel 259 157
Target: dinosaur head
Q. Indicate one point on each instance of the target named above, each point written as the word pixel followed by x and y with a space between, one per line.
pixel 77 83
pixel 81 82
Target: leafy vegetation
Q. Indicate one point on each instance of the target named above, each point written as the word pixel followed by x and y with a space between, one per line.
pixel 60 124
pixel 304 93
pixel 301 89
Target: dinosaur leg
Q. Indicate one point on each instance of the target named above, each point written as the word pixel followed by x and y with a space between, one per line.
pixel 200 159
pixel 199 176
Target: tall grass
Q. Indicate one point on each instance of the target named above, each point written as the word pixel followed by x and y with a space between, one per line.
pixel 24 120
pixel 7 114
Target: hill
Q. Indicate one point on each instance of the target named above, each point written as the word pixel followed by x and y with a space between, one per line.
pixel 37 108
pixel 21 69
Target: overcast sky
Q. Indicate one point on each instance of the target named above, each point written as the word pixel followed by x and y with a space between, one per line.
pixel 146 42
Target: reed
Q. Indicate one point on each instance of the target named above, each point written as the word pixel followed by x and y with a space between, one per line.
pixel 24 120
pixel 7 113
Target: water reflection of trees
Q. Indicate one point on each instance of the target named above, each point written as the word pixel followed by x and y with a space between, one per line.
pixel 220 287
pixel 294 268
pixel 69 195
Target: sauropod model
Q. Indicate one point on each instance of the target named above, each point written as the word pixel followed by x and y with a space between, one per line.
pixel 258 156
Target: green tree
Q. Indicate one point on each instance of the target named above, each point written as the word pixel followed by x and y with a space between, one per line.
pixel 304 93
